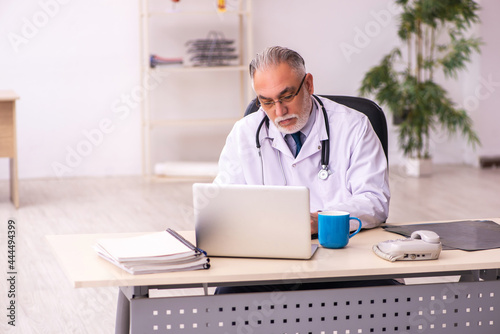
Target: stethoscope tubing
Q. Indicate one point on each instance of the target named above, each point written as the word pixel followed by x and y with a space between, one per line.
pixel 325 145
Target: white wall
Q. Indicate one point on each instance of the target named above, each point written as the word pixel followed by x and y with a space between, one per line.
pixel 72 62
pixel 485 99
pixel 75 65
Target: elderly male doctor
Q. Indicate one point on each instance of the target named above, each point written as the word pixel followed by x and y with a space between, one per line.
pixel 356 178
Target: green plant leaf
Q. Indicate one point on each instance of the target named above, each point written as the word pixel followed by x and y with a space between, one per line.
pixel 422 104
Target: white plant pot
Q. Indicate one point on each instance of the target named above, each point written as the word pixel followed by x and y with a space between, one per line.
pixel 418 167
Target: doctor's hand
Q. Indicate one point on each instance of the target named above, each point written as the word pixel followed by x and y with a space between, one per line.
pixel 314 222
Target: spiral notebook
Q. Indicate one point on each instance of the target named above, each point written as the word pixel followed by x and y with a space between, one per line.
pixel 153 253
pixel 253 221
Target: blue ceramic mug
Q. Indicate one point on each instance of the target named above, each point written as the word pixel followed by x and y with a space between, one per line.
pixel 333 228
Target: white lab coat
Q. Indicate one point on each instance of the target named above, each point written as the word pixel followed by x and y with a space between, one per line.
pixel 359 181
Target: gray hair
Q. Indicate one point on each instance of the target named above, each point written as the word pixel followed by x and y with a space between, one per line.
pixel 275 55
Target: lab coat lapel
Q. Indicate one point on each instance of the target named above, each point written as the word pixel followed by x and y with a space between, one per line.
pixel 278 141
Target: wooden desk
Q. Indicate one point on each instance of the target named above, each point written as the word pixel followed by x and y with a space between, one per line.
pixel 8 141
pixel 399 308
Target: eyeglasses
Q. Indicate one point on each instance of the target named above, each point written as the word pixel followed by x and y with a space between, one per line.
pixel 268 105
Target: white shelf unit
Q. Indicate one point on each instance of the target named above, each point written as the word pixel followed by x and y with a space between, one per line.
pixel 240 12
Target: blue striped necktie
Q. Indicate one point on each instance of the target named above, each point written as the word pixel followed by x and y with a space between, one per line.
pixel 298 142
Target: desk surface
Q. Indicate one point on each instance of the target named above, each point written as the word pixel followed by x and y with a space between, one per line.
pixel 85 268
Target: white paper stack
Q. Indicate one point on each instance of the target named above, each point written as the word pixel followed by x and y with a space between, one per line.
pixel 153 253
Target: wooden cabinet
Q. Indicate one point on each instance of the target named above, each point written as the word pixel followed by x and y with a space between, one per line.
pixel 8 140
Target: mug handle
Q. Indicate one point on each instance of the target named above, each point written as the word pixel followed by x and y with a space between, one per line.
pixel 359 227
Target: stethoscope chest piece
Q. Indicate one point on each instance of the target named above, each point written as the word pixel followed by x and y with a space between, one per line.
pixel 324 173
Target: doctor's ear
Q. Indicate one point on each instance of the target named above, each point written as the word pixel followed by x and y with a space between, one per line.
pixel 309 84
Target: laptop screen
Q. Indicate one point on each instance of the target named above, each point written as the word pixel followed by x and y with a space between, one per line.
pixel 252 220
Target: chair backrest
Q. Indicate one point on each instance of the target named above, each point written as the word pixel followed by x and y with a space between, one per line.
pixel 365 106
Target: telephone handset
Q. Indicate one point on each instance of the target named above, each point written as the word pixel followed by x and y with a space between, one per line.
pixel 421 245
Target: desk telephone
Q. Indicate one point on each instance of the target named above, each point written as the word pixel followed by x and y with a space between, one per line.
pixel 421 245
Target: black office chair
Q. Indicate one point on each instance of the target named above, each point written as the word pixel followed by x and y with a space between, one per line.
pixel 367 107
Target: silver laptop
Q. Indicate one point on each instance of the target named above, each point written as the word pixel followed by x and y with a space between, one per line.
pixel 253 221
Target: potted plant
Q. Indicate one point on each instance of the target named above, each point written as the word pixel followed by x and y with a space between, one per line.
pixel 435 34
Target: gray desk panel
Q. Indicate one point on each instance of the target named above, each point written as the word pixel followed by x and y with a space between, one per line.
pixel 464 307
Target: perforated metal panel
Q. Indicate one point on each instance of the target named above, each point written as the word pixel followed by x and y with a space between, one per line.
pixel 438 308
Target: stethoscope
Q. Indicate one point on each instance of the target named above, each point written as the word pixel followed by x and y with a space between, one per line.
pixel 325 146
